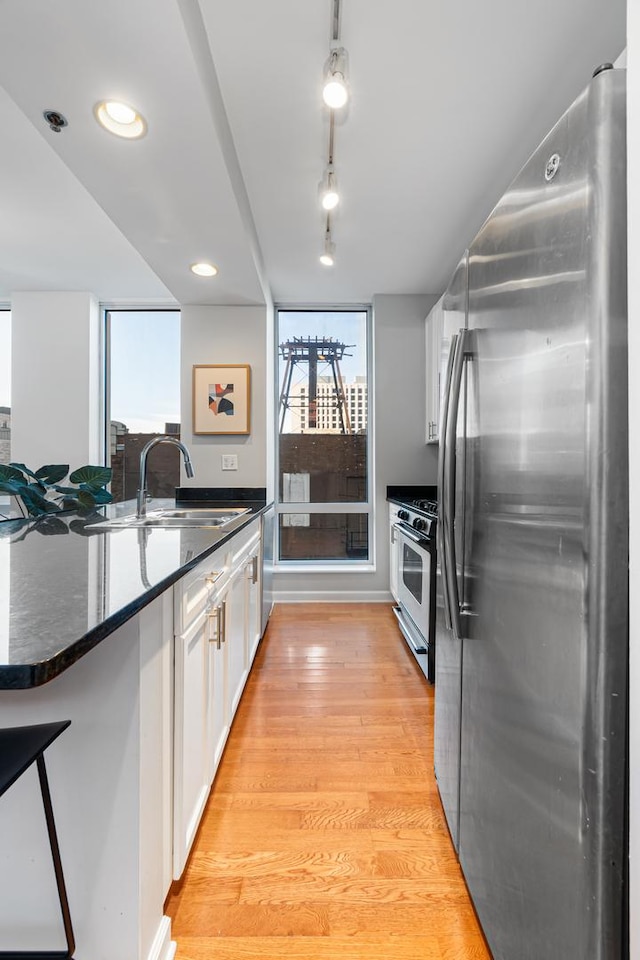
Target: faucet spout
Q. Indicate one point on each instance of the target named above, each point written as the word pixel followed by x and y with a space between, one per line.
pixel 141 497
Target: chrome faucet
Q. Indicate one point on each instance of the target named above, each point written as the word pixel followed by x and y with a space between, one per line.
pixel 142 487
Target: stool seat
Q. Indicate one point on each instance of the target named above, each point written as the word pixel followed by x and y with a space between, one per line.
pixel 19 748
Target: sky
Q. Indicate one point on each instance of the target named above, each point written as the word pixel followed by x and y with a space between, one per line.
pixel 145 369
pixel 347 327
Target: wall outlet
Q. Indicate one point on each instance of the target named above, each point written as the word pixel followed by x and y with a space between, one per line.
pixel 229 461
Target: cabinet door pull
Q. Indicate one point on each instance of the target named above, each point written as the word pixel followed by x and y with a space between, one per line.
pixel 215 631
pixel 223 621
pixel 213 576
pixel 254 569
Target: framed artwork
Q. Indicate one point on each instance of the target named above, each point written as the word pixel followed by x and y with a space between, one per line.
pixel 221 398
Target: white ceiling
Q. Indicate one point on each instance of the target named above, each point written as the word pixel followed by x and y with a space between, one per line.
pixel 448 100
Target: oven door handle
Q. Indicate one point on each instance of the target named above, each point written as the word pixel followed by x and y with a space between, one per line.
pixel 404 532
pixel 449 470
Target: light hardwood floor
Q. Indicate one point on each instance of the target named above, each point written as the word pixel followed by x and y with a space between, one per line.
pixel 324 836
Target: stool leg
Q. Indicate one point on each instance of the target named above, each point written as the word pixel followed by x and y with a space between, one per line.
pixel 55 853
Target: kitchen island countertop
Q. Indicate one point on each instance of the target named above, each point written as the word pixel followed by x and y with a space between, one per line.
pixel 65 587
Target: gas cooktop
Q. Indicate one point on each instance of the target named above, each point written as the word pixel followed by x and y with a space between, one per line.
pixel 427 507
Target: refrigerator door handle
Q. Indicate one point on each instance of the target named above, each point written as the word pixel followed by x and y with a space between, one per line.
pixel 449 485
pixel 444 503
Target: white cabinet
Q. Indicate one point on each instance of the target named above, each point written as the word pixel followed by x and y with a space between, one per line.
pixel 393 552
pixel 433 340
pixel 243 617
pixel 253 576
pixel 199 669
pixel 235 635
pixel 216 622
pixel 217 714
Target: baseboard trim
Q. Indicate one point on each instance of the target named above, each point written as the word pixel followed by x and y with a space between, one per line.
pixel 332 596
pixel 163 947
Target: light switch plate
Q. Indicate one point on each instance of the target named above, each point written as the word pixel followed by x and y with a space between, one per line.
pixel 229 461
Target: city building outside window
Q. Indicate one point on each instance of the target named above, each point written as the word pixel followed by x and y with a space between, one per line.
pixel 324 500
pixel 142 398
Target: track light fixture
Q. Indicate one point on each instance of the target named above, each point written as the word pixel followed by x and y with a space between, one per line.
pixel 327 257
pixel 329 196
pixel 335 91
pixel 335 94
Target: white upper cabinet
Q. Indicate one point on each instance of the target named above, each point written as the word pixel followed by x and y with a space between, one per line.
pixel 433 339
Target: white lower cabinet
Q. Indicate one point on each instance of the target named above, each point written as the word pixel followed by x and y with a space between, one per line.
pixel 236 639
pixel 253 576
pixel 217 714
pixel 216 620
pixel 197 676
pixel 393 552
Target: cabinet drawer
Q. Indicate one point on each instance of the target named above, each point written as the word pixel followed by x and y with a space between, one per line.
pixel 244 542
pixel 194 591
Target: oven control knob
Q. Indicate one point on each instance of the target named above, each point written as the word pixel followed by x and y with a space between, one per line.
pixel 403 515
pixel 419 523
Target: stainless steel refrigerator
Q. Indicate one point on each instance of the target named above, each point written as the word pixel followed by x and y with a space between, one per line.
pixel 532 588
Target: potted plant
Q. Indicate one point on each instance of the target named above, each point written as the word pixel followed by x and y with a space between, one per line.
pixel 40 492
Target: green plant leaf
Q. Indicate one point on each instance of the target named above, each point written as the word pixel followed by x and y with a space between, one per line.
pixel 26 473
pixel 52 472
pixel 11 472
pixel 83 525
pixel 12 486
pixel 86 499
pixel 95 476
pixel 99 494
pixel 51 526
pixel 36 504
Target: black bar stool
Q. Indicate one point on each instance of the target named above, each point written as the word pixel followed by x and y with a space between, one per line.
pixel 19 747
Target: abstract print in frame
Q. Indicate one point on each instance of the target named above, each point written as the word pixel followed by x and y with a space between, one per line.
pixel 221 398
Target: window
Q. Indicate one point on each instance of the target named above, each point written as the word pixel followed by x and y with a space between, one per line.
pixel 7 506
pixel 143 398
pixel 323 449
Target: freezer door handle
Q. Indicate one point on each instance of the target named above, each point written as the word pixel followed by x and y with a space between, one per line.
pixel 444 504
pixel 449 484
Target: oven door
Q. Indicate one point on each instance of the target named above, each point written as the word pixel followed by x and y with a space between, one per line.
pixel 414 577
pixel 415 612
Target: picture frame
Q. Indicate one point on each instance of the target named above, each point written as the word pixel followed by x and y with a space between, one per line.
pixel 221 399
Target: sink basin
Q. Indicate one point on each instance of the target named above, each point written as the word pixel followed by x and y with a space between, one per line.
pixel 176 517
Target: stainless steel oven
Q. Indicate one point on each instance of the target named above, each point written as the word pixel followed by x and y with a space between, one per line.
pixel 414 542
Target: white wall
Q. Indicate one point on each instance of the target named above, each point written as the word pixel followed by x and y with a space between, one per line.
pixel 226 335
pixel 55 382
pixel 633 134
pixel 400 454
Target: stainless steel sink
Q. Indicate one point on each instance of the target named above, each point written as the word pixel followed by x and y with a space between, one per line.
pixel 171 517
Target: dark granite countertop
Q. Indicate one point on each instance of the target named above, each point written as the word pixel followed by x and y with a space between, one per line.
pixel 401 493
pixel 65 587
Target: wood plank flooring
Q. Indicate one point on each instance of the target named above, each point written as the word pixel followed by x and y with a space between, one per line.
pixel 324 837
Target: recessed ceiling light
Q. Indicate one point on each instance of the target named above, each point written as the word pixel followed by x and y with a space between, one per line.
pixel 120 118
pixel 204 269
